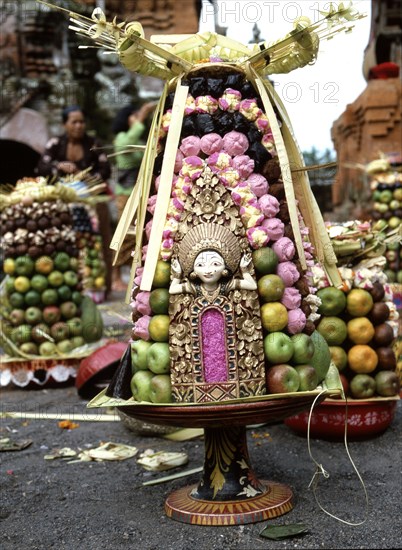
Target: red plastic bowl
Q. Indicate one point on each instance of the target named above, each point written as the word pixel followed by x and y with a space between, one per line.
pixel 365 419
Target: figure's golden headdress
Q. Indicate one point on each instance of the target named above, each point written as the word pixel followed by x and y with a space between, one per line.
pixel 209 236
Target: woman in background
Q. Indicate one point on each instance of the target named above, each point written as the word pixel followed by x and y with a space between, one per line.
pixel 71 153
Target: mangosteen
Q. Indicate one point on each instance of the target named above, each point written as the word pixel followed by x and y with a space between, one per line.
pixel 65 218
pixel 32 226
pixel 377 292
pixel 9 226
pixel 288 232
pixel 309 328
pixel 20 222
pixel 302 286
pixel 21 249
pixel 386 358
pixel 383 335
pixel 48 249
pixel 271 170
pixel 60 246
pixel 43 222
pixel 34 251
pixel 379 313
pixel 387 215
pixel 55 221
pixel 284 211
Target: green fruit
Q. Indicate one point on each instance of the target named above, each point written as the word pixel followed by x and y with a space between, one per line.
pixel 62 261
pixel 65 346
pixel 77 341
pixel 21 334
pixel 271 288
pixel 30 348
pixel 32 298
pixel 16 300
pixel 24 265
pixel 322 355
pixel 333 301
pixel 39 283
pixel 64 293
pixel 76 297
pixel 75 326
pixel 70 278
pixel 9 284
pixel 265 260
pixel 333 329
pixel 47 349
pixel 56 278
pixel 159 300
pixel 49 297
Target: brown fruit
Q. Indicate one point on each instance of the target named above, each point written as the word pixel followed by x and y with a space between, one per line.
pixel 379 313
pixel 383 335
pixel 386 359
pixel 377 292
pixel 387 383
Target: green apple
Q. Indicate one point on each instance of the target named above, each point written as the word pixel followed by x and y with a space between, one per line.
pixel 68 309
pixel 303 348
pixel 47 349
pixel 282 378
pixel 33 315
pixel 30 348
pixel 39 282
pixel 387 383
pixel 55 278
pixel 278 347
pixel 24 265
pixel 49 297
pixel 333 300
pixel 139 349
pixel 71 278
pixel 21 334
pixel 161 389
pixel 77 341
pixel 141 385
pixel 308 377
pixel 65 346
pixel 158 358
pixel 75 326
pixel 62 261
pixel 362 386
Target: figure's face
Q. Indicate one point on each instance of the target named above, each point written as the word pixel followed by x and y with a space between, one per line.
pixel 208 266
pixel 75 125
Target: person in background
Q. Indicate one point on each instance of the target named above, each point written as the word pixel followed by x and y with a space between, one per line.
pixel 73 152
pixel 129 129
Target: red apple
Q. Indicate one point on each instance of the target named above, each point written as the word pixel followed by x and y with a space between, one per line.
pixel 160 389
pixel 308 377
pixel 282 378
pixel 51 314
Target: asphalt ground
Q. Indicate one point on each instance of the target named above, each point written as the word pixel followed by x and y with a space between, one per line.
pixel 94 505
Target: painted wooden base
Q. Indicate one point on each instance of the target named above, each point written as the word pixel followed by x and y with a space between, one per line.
pixel 275 501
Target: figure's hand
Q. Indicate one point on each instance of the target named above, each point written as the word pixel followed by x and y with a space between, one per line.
pixel 245 261
pixel 176 269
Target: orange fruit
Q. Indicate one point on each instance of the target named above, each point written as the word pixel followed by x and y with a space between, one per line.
pixel 158 328
pixel 44 265
pixel 274 316
pixel 339 357
pixel 270 288
pixel 359 302
pixel 362 359
pixel 360 330
pixel 333 329
pixel 162 275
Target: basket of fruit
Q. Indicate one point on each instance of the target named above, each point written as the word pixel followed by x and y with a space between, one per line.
pixel 47 324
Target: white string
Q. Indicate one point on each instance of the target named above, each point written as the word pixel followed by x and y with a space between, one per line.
pixel 320 470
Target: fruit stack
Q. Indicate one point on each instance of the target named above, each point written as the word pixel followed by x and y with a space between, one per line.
pixel 386 187
pixel 42 313
pixel 360 324
pixel 92 267
pixel 226 131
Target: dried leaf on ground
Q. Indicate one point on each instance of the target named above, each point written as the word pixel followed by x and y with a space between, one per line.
pixel 161 461
pixel 8 444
